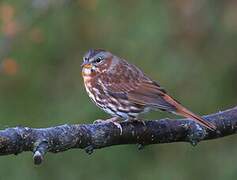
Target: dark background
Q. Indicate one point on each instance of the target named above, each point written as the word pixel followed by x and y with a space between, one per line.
pixel 189 46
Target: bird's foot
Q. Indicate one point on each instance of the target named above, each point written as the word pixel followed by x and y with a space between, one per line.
pixel 137 121
pixel 98 121
pixel 114 120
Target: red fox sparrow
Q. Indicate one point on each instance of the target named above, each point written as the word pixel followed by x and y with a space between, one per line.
pixel 123 90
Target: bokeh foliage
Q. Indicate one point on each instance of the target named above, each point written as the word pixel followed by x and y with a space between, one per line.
pixel 189 46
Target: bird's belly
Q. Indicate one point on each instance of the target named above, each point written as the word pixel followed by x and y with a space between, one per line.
pixel 115 107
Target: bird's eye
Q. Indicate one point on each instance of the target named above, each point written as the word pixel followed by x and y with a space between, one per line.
pixel 99 59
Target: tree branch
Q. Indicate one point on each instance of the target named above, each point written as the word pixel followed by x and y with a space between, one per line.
pixel 95 136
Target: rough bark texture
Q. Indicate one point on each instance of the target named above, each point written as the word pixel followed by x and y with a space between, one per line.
pixel 94 136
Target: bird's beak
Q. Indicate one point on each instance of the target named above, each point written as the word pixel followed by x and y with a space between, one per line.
pixel 86 65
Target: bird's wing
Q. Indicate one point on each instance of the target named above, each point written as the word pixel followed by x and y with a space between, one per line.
pixel 141 91
pixel 150 94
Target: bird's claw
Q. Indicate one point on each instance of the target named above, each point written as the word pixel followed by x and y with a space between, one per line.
pixel 139 121
pixel 118 126
pixel 98 121
pixel 143 122
pixel 111 120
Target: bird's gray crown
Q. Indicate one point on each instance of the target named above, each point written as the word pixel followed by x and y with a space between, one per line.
pixel 93 52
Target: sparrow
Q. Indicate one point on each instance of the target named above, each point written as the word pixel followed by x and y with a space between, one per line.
pixel 122 90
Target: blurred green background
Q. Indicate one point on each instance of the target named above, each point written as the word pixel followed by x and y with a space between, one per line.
pixel 189 46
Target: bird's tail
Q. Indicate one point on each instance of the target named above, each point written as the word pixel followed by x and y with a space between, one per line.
pixel 186 113
pixel 180 110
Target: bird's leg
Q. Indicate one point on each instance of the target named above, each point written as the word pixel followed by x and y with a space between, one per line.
pixel 97 121
pixel 114 120
pixel 142 121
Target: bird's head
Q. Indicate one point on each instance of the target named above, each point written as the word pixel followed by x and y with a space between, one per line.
pixel 96 61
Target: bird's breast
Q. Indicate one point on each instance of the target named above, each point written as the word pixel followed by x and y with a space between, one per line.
pixel 89 90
